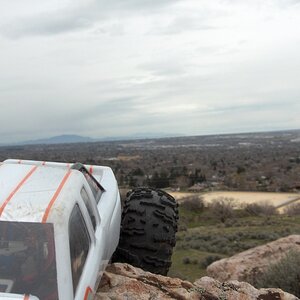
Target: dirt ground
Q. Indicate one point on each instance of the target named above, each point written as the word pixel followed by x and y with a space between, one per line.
pixel 276 199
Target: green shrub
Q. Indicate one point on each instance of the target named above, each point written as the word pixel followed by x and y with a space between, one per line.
pixel 284 274
pixel 209 260
pixel 260 209
pixel 222 208
pixel 193 203
pixel 292 210
pixel 186 261
pixel 182 227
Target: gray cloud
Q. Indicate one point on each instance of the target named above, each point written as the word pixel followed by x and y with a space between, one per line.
pixel 78 16
pixel 164 68
pixel 44 25
pixel 183 24
pixel 115 108
pixel 287 3
pixel 149 66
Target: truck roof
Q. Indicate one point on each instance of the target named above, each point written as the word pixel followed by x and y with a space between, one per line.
pixel 41 192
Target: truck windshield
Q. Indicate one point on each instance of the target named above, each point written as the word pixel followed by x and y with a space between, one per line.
pixel 27 259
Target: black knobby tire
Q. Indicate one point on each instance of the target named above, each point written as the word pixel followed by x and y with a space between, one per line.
pixel 148 228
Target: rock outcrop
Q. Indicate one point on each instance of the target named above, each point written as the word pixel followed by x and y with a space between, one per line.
pixel 245 266
pixel 123 281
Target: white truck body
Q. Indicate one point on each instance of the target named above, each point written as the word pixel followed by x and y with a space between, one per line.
pixel 46 197
pixel 5 296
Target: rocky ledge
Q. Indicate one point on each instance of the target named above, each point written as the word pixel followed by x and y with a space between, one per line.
pixel 123 281
pixel 247 265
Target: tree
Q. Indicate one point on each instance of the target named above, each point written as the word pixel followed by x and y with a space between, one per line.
pixel 222 208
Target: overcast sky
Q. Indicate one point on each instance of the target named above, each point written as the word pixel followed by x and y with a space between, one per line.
pixel 119 67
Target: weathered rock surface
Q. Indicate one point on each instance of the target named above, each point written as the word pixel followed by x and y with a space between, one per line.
pixel 123 281
pixel 235 290
pixel 245 266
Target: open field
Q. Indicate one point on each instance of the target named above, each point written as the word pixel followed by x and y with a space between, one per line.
pixel 240 198
pixel 203 239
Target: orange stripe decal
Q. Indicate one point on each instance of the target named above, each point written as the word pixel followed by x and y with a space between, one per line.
pixel 16 189
pixel 26 297
pixel 61 185
pixel 88 291
pixel 91 169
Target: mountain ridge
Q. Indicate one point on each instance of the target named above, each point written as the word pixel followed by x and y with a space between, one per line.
pixel 74 138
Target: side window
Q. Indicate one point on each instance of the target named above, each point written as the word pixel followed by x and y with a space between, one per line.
pixel 87 203
pixel 79 244
pixel 95 186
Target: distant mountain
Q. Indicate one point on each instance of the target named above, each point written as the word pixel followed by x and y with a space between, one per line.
pixel 73 138
pixel 60 139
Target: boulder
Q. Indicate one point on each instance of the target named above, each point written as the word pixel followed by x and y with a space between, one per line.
pixel 245 266
pixel 235 290
pixel 123 281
